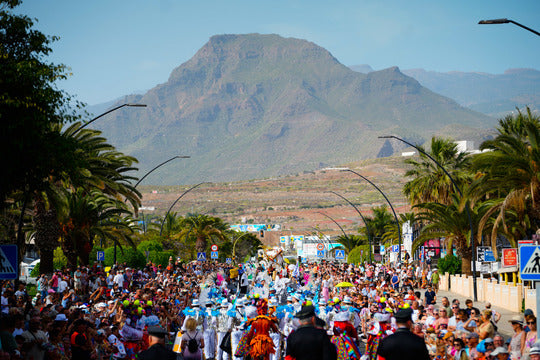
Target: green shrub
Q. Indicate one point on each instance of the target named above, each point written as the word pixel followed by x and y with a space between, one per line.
pixel 355 255
pixel 150 245
pixel 449 264
pixel 132 257
pixel 161 257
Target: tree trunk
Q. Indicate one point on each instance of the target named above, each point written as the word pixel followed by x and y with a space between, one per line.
pixel 69 252
pixel 200 245
pixel 46 235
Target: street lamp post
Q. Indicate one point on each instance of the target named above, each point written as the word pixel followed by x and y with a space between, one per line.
pixel 389 203
pixel 107 112
pixel 339 226
pixel 460 193
pixel 142 178
pixel 234 245
pixel 363 219
pixel 174 203
pixel 507 21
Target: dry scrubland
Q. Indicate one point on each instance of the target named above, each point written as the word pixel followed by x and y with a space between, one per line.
pixel 294 201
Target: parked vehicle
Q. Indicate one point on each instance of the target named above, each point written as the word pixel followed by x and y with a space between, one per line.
pixel 26 267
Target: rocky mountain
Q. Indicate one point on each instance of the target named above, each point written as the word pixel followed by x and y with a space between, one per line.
pixel 255 106
pixel 492 94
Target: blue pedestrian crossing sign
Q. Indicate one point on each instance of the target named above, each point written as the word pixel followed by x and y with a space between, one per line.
pixel 201 256
pixel 340 254
pixel 8 262
pixel 228 261
pixel 320 253
pixel 529 262
pixel 100 256
pixel 214 255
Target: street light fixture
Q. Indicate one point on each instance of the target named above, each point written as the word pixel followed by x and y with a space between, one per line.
pixel 389 203
pixel 363 219
pixel 507 21
pixel 107 112
pixel 460 193
pixel 174 203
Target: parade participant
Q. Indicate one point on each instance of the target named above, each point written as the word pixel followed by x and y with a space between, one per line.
pixel 276 335
pixel 157 349
pixel 224 323
pixel 237 326
pixel 380 329
pixel 209 323
pixel 308 342
pixel 403 345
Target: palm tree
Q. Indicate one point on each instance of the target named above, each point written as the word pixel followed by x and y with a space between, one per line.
pixel 87 163
pixel 93 215
pixel 349 242
pixel 430 183
pixel 452 223
pixel 203 227
pixel 509 175
pixel 391 230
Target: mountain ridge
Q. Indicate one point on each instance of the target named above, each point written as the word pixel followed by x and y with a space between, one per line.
pixel 252 106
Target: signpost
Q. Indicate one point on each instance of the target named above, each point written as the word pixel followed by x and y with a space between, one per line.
pixel 529 267
pixel 214 255
pixel 340 254
pixel 9 262
pixel 395 248
pixel 320 246
pixel 201 256
pixel 320 253
pixel 228 261
pixel 214 247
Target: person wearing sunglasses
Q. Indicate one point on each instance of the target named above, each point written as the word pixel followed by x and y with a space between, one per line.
pixel 460 353
pixel 530 337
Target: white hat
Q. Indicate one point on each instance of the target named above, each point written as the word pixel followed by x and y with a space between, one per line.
pixel 500 350
pixel 61 317
pixel 224 303
pixel 195 302
pixel 342 316
pixel 347 300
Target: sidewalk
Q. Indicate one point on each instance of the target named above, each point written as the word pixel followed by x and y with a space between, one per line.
pixel 504 327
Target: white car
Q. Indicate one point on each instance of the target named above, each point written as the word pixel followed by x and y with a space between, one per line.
pixel 26 270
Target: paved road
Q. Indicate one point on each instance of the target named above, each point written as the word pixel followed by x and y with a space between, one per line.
pixel 504 326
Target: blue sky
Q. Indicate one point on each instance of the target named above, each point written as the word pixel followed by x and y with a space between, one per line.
pixel 117 47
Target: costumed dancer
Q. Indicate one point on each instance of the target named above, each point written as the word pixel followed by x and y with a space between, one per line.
pixel 209 333
pixel 237 326
pixel 224 323
pixel 275 336
pixel 380 329
pixel 256 341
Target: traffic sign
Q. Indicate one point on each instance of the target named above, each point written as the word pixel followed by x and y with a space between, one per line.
pixel 8 262
pixel 395 248
pixel 228 261
pixel 320 246
pixel 509 257
pixel 529 262
pixel 214 255
pixel 214 247
pixel 382 249
pixel 320 253
pixel 283 239
pixel 201 256
pixel 488 255
pixel 340 254
pixel 100 256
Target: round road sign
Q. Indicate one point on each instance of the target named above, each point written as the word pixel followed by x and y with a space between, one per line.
pixel 320 246
pixel 214 247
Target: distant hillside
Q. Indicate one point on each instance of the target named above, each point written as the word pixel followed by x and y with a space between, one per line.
pixel 491 94
pixel 255 106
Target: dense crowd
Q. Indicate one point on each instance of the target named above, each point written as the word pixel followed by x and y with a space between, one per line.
pixel 254 310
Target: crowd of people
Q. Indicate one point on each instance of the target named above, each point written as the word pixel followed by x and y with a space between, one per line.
pixel 256 310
